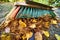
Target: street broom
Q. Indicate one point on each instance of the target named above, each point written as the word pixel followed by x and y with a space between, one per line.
pixel 23 10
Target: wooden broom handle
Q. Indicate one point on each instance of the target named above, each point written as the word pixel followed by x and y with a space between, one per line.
pixel 15 12
pixel 8 15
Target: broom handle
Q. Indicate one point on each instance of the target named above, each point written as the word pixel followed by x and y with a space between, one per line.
pixel 13 15
pixel 8 15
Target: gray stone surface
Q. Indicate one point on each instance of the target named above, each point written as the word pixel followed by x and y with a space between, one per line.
pixel 4 10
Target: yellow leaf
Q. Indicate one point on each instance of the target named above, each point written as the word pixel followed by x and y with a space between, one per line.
pixel 57 36
pixel 47 24
pixel 22 24
pixel 32 26
pixel 53 21
pixel 46 33
pixel 29 35
pixel 3 37
pixel 34 20
pixel 8 38
pixel 23 37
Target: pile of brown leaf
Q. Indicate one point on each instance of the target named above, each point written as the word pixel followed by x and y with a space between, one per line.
pixel 23 27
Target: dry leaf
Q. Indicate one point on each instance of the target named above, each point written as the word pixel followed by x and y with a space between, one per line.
pixel 29 35
pixel 22 24
pixel 32 26
pixel 46 33
pixel 46 24
pixel 38 36
pixel 53 21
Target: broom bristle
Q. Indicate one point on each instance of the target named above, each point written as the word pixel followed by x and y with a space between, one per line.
pixel 28 12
